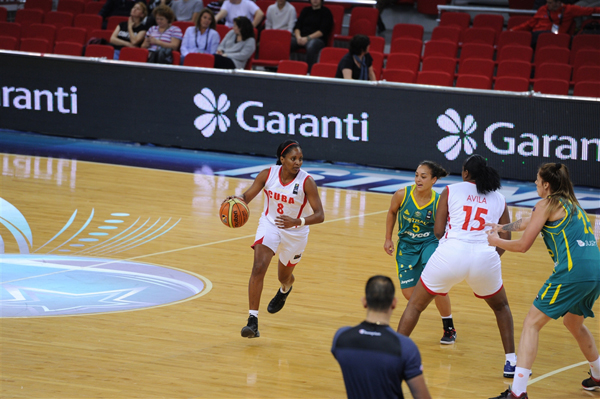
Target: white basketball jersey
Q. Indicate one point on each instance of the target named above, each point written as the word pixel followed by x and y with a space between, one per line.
pixel 288 199
pixel 468 211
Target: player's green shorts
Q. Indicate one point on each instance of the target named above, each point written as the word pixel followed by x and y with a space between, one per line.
pixel 410 264
pixel 556 300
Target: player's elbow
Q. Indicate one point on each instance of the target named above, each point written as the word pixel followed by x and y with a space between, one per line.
pixel 438 234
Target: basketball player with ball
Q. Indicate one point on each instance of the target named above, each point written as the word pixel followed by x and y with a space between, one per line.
pixel 283 226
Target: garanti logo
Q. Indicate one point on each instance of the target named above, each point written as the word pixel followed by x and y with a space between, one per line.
pixel 459 138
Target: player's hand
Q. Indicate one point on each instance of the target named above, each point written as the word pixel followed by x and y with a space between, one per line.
pixel 285 222
pixel 388 247
pixel 492 236
pixel 495 226
pixel 231 197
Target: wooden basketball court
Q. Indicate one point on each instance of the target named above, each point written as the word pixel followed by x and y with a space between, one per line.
pixel 193 348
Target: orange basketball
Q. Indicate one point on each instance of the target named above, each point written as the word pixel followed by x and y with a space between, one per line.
pixel 234 213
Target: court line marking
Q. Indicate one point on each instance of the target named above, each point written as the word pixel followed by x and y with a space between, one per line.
pixel 550 374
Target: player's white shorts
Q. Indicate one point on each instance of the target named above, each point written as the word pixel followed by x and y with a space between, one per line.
pixel 291 242
pixel 454 261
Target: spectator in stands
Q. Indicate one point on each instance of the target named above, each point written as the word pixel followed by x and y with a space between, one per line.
pixel 358 63
pixel 374 358
pixel 202 38
pixel 312 30
pixel 116 7
pixel 162 38
pixel 281 15
pixel 554 17
pixel 215 7
pixel 187 10
pixel 237 46
pixel 231 9
pixel 132 32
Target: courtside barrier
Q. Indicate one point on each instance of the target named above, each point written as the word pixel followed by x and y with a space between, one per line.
pixel 370 123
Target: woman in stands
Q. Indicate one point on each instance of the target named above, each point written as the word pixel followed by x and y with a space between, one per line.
pixel 237 46
pixel 202 38
pixel 415 208
pixel 163 38
pixel 132 32
pixel 464 254
pixel 358 63
pixel 283 225
pixel 574 285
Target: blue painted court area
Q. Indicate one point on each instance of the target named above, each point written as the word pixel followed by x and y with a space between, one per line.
pixel 351 177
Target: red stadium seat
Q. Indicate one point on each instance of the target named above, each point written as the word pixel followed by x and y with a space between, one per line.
pixel 58 19
pixel 479 35
pixel 324 70
pixel 477 67
pixel 338 19
pixel 429 7
pixel 586 57
pixel 399 75
pixel 10 29
pixel 446 33
pixel 580 42
pixel 100 34
pixel 112 22
pixel 75 7
pixel 93 7
pixel 434 78
pixel 88 22
pixel 587 89
pixel 332 55
pixel 440 64
pixel 476 50
pixel 510 83
pixel 587 74
pixel 514 68
pixel 377 63
pixel 100 51
pixel 44 5
pixel 72 34
pixel 490 21
pixel 515 53
pixel 363 21
pixel 35 45
pixel 292 67
pixel 222 30
pixel 66 48
pixel 27 17
pixel 474 82
pixel 411 31
pixel 183 25
pixel 511 38
pixel 515 20
pixel 274 47
pixel 461 20
pixel 299 6
pixel 551 86
pixel 521 4
pixel 3 14
pixel 41 31
pixel 553 71
pixel 8 43
pixel 439 49
pixel 557 55
pixel 199 60
pixel 407 46
pixel 134 54
pixel 553 39
pixel 401 61
pixel 377 44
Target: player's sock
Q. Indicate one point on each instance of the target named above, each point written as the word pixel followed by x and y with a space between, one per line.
pixel 253 313
pixel 595 369
pixel 519 384
pixel 448 322
pixel 512 358
pixel 282 290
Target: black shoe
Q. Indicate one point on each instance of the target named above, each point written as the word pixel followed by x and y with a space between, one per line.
pixel 509 395
pixel 449 337
pixel 591 384
pixel 278 301
pixel 251 330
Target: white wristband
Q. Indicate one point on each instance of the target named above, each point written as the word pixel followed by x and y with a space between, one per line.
pixel 302 222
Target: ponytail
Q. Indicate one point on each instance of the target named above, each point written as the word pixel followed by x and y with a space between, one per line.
pixel 486 178
pixel 436 170
pixel 557 176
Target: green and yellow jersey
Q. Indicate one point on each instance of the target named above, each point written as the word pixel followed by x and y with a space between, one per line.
pixel 415 223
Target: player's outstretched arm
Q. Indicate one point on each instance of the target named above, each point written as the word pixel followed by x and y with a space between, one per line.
pixel 390 221
pixel 505 235
pixel 417 387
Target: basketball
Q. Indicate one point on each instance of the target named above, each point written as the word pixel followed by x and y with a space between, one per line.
pixel 234 213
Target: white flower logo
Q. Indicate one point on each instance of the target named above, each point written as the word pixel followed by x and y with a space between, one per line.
pixel 206 123
pixel 451 145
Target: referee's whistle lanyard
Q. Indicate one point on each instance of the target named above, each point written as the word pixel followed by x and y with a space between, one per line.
pixel 206 43
pixel 555 27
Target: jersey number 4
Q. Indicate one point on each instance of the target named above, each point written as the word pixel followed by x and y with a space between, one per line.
pixel 478 212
